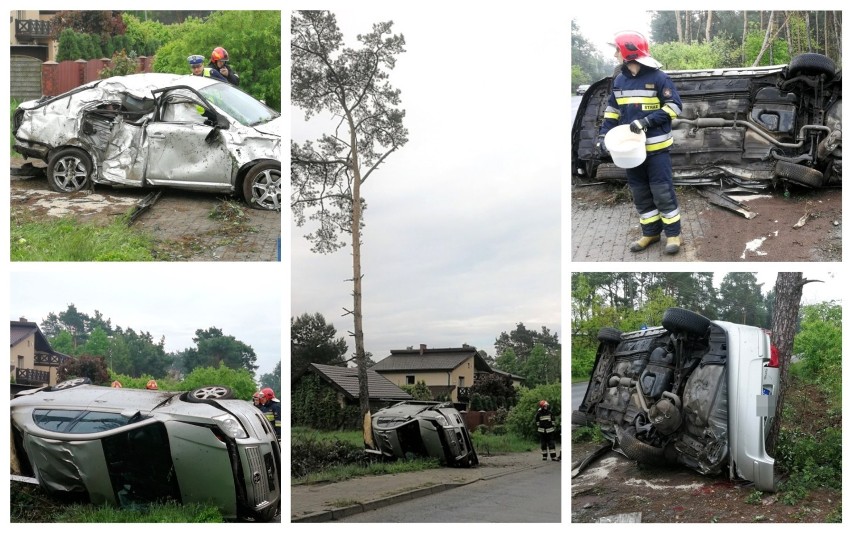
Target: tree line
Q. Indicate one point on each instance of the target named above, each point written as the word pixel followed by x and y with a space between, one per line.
pixel 630 300
pixel 127 352
pixel 683 40
pixel 534 354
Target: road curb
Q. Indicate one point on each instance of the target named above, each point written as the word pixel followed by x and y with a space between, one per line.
pixel 343 512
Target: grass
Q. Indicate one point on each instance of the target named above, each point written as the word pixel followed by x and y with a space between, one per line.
pixel 65 239
pixel 484 444
pixel 489 443
pixel 29 504
pixel 342 473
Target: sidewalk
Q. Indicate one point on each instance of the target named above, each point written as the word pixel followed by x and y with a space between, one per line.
pixel 333 501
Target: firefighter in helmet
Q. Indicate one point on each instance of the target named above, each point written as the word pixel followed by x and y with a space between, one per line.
pixel 219 61
pixel 645 98
pixel 546 426
pixel 270 406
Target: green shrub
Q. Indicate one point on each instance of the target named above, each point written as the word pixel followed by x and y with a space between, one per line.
pixel 521 419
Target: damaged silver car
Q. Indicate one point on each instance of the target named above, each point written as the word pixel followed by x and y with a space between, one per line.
pixel 695 392
pixel 742 127
pixel 159 130
pixel 421 429
pixel 123 447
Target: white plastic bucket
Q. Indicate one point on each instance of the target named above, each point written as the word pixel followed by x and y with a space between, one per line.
pixel 626 148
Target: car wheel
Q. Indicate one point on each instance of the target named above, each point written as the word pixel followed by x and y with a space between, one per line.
pixel 608 172
pixel 71 383
pixel 637 450
pixel 262 186
pixel 679 320
pixel 267 514
pixel 579 418
pixel 610 335
pixel 807 176
pixel 213 392
pixel 811 64
pixel 69 170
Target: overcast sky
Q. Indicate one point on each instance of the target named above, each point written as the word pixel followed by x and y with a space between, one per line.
pixel 599 28
pixel 462 237
pixel 168 300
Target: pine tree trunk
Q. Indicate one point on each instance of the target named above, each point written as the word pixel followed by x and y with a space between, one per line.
pixel 360 352
pixel 788 296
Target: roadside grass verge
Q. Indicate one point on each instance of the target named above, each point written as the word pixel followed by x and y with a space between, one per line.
pixel 488 442
pixel 30 504
pixel 66 239
pixel 333 456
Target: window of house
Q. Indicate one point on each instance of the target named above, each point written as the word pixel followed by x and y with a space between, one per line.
pixel 461 381
pixel 409 380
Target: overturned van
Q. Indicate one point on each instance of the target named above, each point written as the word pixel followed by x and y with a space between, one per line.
pixel 694 392
pixel 748 127
pixel 421 429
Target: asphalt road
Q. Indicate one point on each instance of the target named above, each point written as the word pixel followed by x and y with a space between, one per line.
pixel 530 496
pixel 578 390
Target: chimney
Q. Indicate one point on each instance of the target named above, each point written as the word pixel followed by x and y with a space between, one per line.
pixel 422 349
pixel 23 319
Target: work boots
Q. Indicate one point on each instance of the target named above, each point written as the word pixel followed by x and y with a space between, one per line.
pixel 644 242
pixel 672 245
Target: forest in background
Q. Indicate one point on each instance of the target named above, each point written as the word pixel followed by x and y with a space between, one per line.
pixel 684 40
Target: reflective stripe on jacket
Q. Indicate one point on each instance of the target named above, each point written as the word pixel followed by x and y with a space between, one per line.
pixel 651 95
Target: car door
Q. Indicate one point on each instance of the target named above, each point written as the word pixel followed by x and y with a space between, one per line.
pixel 185 145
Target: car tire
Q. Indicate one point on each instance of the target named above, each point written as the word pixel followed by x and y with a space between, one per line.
pixel 814 64
pixel 679 320
pixel 268 514
pixel 71 383
pixel 606 172
pixel 69 170
pixel 262 186
pixel 799 174
pixel 637 450
pixel 609 335
pixel 579 418
pixel 211 392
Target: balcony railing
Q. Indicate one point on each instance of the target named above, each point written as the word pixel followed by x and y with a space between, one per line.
pixel 44 359
pixel 32 29
pixel 29 376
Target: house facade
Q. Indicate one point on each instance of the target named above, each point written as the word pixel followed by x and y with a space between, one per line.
pixel 32 360
pixel 448 372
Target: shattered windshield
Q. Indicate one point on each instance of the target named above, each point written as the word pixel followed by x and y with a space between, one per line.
pixel 239 105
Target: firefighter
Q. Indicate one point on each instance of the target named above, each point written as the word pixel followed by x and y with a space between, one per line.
pixel 271 407
pixel 151 385
pixel 644 97
pixel 546 426
pixel 257 399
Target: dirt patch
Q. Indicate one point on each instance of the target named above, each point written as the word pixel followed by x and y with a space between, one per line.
pixel 797 225
pixel 614 485
pixel 184 226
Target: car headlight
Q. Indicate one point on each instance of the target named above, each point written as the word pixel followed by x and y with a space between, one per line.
pixel 231 426
pixel 441 420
